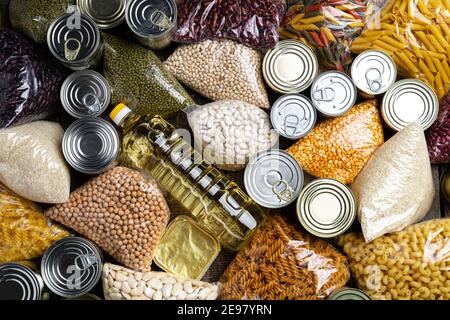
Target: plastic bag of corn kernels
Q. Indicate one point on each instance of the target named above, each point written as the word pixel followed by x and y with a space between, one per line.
pixel 339 148
pixel 122 211
pixel 410 264
pixel 281 262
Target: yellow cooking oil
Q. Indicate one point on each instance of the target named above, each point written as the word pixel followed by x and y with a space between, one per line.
pixel 218 204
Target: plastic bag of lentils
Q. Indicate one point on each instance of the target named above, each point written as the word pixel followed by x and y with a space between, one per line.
pixel 122 211
pixel 228 133
pixel 33 17
pixel 438 137
pixel 220 70
pixel 138 78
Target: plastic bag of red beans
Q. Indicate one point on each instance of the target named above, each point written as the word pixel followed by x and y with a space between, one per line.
pixel 438 137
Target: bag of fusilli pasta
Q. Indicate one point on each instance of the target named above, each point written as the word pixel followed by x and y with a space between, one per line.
pixel 25 233
pixel 283 263
pixel 410 264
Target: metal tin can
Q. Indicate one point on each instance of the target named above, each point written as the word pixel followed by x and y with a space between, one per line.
pixel 71 267
pixel 326 208
pixel 18 282
pixel 87 296
pixel 106 14
pixel 409 101
pixel 153 22
pixel 273 178
pixel 445 184
pixel 74 39
pixel 373 73
pixel 293 116
pixel 290 67
pixel 91 145
pixel 85 93
pixel 349 294
pixel 333 93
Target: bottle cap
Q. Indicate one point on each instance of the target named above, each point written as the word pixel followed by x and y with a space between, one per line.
pixel 120 112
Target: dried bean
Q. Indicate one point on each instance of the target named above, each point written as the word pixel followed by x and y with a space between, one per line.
pixel 438 137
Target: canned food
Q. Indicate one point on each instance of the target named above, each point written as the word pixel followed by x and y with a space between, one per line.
pixel 74 39
pixel 349 294
pixel 290 67
pixel 85 93
pixel 373 72
pixel 186 249
pixel 273 178
pixel 293 116
pixel 409 101
pixel 326 208
pixel 153 22
pixel 333 93
pixel 71 267
pixel 91 145
pixel 106 14
pixel 445 184
pixel 87 296
pixel 18 282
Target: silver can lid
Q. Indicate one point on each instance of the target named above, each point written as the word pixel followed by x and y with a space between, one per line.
pixel 85 93
pixel 333 93
pixel 106 14
pixel 90 145
pixel 18 282
pixel 326 208
pixel 349 294
pixel 373 72
pixel 73 38
pixel 290 67
pixel 71 267
pixel 409 101
pixel 151 18
pixel 273 178
pixel 293 116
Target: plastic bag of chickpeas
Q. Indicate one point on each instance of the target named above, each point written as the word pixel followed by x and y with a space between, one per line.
pixel 413 264
pixel 123 211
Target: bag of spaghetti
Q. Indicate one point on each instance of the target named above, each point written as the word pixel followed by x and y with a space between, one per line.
pixel 328 26
pixel 416 34
pixel 280 262
pixel 25 233
pixel 410 264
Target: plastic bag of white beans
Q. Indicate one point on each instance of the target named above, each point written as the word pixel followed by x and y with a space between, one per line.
pixel 229 132
pixel 410 264
pixel 120 283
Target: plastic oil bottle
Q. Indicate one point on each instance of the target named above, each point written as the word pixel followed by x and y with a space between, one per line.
pixel 218 204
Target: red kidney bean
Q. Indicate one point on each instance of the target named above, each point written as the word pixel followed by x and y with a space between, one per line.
pixel 438 137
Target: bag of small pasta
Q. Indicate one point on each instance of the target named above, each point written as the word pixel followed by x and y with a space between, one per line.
pixel 410 264
pixel 25 233
pixel 416 34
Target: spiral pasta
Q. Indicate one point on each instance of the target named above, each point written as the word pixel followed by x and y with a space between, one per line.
pixel 411 264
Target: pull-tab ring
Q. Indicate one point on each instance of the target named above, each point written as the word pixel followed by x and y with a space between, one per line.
pixel 71 54
pixel 85 261
pixel 159 18
pixel 325 94
pixel 286 192
pixel 374 84
pixel 291 123
pixel 92 102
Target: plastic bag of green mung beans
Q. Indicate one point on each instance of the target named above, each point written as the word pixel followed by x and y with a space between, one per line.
pixel 33 17
pixel 138 78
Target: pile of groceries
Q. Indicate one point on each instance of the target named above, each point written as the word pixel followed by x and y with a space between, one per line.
pixel 234 150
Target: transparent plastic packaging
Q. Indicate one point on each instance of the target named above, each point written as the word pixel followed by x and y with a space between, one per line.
pixel 328 26
pixel 395 188
pixel 280 262
pixel 339 148
pixel 438 136
pixel 25 233
pixel 122 211
pixel 252 22
pixel 120 283
pixel 33 17
pixel 409 265
pixel 229 133
pixel 138 78
pixel 220 70
pixel 30 80
pixel 416 34
pixel 32 164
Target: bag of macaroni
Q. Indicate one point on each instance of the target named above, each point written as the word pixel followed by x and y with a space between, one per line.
pixel 410 264
pixel 281 262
